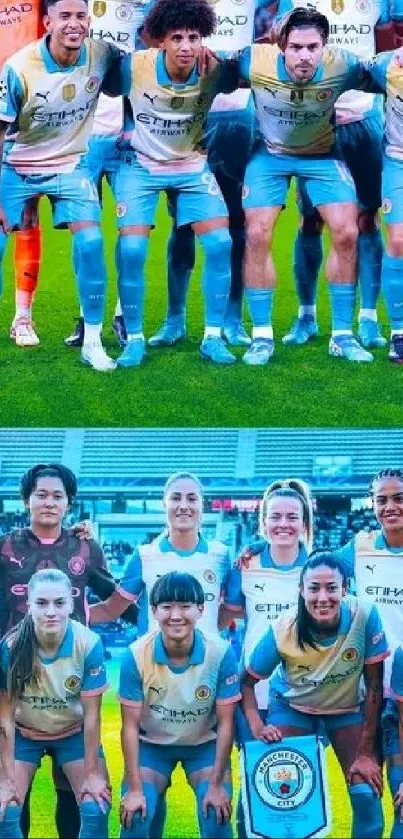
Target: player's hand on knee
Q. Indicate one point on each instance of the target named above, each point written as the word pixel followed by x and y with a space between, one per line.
pixel 217 797
pixel 132 803
pixel 83 529
pixel 9 794
pixel 97 788
pixel 270 734
pixel 367 769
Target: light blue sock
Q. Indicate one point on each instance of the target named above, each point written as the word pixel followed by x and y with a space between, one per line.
pixel 395 778
pixel 141 828
pixel 94 823
pixel 3 242
pixel 370 251
pixel 88 253
pixel 131 252
pixel 367 812
pixel 216 274
pixel 10 826
pixel 181 259
pixel 392 289
pixel 260 302
pixel 342 298
pixel 308 255
pixel 208 825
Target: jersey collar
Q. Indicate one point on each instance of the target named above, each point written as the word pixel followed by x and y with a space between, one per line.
pixel 60 538
pixel 196 655
pixel 267 562
pixel 167 547
pixel 344 626
pixel 66 647
pixel 284 75
pixel 381 544
pixel 50 63
pixel 165 80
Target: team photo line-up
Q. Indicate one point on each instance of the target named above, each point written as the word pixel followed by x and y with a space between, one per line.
pixel 322 654
pixel 197 108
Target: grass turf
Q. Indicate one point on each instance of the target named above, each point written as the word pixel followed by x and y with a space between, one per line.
pixel 181 820
pixel 302 386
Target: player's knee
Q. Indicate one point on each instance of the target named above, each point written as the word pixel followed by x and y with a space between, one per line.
pixel 395 240
pixel 311 225
pixel 10 826
pixel 89 245
pixel 94 822
pixel 132 251
pixel 367 221
pixel 216 243
pixel 344 235
pixel 259 233
pixel 367 811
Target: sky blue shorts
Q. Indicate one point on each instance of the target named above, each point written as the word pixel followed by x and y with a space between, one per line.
pixel 73 195
pixel 281 713
pixel 63 750
pixel 103 158
pixel 164 758
pixel 267 179
pixel 196 195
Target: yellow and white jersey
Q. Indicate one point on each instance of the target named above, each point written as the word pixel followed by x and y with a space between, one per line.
pixel 166 124
pixel 51 106
pixel 50 706
pixel 179 703
pixel 326 680
pixel 352 27
pixel 296 118
pixel 209 563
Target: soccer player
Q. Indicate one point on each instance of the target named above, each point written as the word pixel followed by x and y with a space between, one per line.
pixel 18 27
pixel 295 90
pixel 229 137
pixel 50 89
pixel 48 490
pixel 321 650
pixel 168 102
pixel 180 545
pixel 393 713
pixel 52 676
pixel 176 673
pixel 118 24
pixel 389 76
pixel 265 587
pixel 375 561
pixel 358 141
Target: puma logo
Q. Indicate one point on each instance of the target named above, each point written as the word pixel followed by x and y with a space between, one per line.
pixel 17 561
pixel 150 98
pixel 43 95
pixel 260 587
pixel 370 568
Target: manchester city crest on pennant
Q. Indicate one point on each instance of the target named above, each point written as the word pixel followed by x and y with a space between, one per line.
pixel 284 779
pixel 99 8
pixel 69 92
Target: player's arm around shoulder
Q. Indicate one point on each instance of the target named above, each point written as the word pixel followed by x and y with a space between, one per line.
pixel 117 79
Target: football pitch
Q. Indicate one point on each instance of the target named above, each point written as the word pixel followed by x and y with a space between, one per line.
pixel 301 386
pixel 181 819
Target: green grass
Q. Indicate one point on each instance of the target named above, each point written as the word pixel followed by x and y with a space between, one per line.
pixel 181 821
pixel 47 385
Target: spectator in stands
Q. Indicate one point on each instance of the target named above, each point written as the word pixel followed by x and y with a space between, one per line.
pixel 48 491
pixel 197 675
pixel 374 560
pixel 265 582
pixel 327 630
pixel 50 662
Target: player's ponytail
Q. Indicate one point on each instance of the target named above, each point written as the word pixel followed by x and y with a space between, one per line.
pixel 22 668
pixel 303 621
pixel 289 488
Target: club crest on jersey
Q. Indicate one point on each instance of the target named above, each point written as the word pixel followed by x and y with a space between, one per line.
pixel 91 84
pixel 177 102
pixel 324 95
pixel 210 576
pixel 124 12
pixel 72 683
pixel 386 206
pixel 76 565
pixel 99 8
pixel 284 779
pixel 69 92
pixel 121 209
pixel 202 693
pixel 363 6
pixel 338 6
pixel 351 654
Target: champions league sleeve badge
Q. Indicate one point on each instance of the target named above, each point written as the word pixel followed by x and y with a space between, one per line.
pixel 284 789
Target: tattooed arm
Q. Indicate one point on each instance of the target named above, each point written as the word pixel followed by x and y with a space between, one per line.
pixel 366 764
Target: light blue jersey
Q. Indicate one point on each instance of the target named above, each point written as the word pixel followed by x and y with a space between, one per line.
pixel 209 563
pixel 326 680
